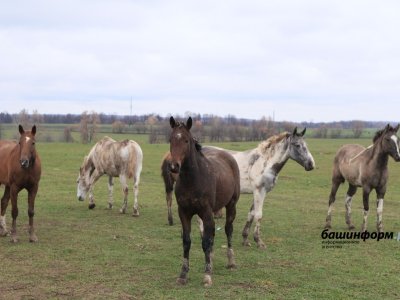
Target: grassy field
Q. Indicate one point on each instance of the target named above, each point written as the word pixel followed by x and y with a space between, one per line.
pixel 101 254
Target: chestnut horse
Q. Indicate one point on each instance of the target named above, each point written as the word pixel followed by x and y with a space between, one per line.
pixel 366 168
pixel 20 168
pixel 207 180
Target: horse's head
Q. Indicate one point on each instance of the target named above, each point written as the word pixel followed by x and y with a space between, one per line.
pixel 27 146
pixel 83 180
pixel 181 141
pixel 298 150
pixel 389 141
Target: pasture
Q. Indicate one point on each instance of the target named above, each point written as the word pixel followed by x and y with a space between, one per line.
pixel 101 254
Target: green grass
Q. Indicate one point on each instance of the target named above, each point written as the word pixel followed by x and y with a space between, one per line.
pixel 101 254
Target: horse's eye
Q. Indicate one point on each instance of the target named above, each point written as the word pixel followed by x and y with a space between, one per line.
pixel 186 141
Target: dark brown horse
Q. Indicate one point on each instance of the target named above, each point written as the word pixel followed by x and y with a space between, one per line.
pixel 208 179
pixel 20 168
pixel 169 179
pixel 366 168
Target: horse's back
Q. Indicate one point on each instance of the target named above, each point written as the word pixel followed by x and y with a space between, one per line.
pixel 226 172
pixel 113 157
pixel 346 165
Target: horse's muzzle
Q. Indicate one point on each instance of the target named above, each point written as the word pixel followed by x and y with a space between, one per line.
pixel 309 166
pixel 24 163
pixel 174 167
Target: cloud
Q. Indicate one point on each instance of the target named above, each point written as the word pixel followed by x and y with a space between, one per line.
pixel 307 60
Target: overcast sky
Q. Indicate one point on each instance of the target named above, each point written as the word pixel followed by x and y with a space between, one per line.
pixel 295 60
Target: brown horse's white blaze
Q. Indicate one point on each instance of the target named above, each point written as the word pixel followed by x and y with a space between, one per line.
pixel 366 168
pixel 116 159
pixel 208 180
pixel 20 168
pixel 259 169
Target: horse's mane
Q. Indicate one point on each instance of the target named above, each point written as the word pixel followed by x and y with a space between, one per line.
pixel 381 132
pixel 269 144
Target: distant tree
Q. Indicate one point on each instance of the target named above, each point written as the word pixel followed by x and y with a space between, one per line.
pixel 118 127
pixel 336 131
pixel 197 130
pixel 68 135
pixel 23 118
pixel 89 126
pixel 357 128
pixel 321 132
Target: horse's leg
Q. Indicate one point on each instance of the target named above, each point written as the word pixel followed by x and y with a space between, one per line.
pixel 350 193
pixel 125 189
pixel 110 192
pixel 169 187
pixel 169 206
pixel 230 217
pixel 136 181
pixel 366 192
pixel 246 229
pixel 259 195
pixel 93 179
pixel 201 226
pixel 31 212
pixel 14 213
pixel 207 243
pixel 380 193
pixel 332 197
pixel 4 203
pixel 186 242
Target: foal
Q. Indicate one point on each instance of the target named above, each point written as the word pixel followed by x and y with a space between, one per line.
pixel 208 179
pixel 366 168
pixel 20 168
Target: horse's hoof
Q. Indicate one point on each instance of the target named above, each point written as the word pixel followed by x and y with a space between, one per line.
pixel 231 266
pixel 170 222
pixel 352 227
pixel 181 281
pixel 91 206
pixel 14 240
pixel 135 213
pixel 33 239
pixel 261 246
pixel 4 232
pixel 110 206
pixel 328 226
pixel 246 243
pixel 207 280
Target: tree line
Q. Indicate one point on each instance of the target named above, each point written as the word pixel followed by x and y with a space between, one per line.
pixel 206 127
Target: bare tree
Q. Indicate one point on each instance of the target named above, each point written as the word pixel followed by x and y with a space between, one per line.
pixel 118 127
pixel 83 128
pixel 357 128
pixel 23 118
pixel 68 135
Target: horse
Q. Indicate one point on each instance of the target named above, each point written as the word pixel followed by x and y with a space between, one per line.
pixel 116 159
pixel 20 168
pixel 259 169
pixel 366 168
pixel 207 180
pixel 169 179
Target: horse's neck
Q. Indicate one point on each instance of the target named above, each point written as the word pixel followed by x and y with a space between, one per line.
pixel 277 158
pixel 191 168
pixel 378 159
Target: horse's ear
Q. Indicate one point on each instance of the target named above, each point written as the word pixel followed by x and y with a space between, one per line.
pixel 21 129
pixel 397 127
pixel 295 131
pixel 387 126
pixel 172 122
pixel 303 132
pixel 33 131
pixel 189 123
